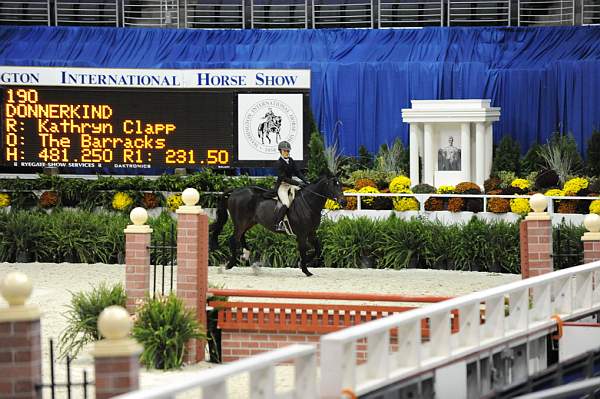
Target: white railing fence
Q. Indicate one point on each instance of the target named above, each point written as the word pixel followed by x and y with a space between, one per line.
pixel 261 368
pixel 512 311
pixel 422 198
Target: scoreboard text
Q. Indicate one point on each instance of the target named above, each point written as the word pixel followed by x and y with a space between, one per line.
pixel 122 128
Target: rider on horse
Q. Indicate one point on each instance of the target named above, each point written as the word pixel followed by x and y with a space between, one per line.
pixel 286 171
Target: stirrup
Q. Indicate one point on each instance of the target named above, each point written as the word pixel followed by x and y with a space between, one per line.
pixel 280 227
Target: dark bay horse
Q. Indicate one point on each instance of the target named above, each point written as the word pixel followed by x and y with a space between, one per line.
pixel 248 207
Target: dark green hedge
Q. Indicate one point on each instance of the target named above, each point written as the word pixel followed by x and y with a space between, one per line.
pixel 80 236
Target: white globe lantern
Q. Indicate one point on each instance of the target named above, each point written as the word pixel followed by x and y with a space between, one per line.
pixel 114 323
pixel 16 288
pixel 538 203
pixel 592 223
pixel 190 196
pixel 138 216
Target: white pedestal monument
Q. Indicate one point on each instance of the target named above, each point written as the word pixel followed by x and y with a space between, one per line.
pixel 454 138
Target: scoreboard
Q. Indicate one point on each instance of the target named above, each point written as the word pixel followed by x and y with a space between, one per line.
pixel 216 122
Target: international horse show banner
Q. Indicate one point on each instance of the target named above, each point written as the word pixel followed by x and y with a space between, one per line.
pixel 132 119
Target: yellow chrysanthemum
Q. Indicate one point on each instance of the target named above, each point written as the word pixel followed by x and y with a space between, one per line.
pixel 399 183
pixel 332 205
pixel 523 184
pixel 368 189
pixel 520 206
pixel 554 192
pixel 595 207
pixel 406 204
pixel 121 201
pixel 174 201
pixel 4 200
pixel 445 189
pixel 574 185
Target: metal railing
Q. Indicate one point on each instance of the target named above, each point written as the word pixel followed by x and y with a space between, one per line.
pixel 513 311
pixel 36 12
pixel 342 14
pixel 411 13
pixel 546 12
pixel 86 12
pixel 422 198
pixel 261 368
pixel 151 13
pixel 226 14
pixel 590 12
pixel 285 14
pixel 241 14
pixel 479 13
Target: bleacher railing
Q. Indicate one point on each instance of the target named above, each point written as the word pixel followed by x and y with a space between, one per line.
pixel 86 12
pixel 224 14
pixel 478 13
pixel 34 12
pixel 151 13
pixel 410 13
pixel 277 14
pixel 590 12
pixel 546 12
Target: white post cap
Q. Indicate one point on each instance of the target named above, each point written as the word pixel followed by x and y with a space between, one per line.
pixel 16 288
pixel 538 202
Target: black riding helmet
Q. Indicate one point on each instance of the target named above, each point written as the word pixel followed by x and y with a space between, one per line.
pixel 284 145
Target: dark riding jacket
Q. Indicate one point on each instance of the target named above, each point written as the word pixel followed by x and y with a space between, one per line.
pixel 285 172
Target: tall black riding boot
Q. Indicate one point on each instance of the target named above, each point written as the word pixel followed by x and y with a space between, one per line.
pixel 279 218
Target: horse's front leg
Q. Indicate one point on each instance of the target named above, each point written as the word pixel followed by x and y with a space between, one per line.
pixel 317 259
pixel 304 258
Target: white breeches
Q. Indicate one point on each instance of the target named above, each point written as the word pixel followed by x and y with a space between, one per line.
pixel 286 193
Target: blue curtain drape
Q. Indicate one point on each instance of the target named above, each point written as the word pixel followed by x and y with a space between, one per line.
pixel 545 79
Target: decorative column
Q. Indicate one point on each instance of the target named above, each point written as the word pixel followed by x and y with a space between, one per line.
pixel 415 132
pixel 137 257
pixel 536 239
pixel 465 158
pixel 489 148
pixel 428 156
pixel 480 153
pixel 116 358
pixel 192 263
pixel 20 340
pixel 591 239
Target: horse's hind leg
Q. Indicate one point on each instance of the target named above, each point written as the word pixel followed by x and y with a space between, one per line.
pixel 245 248
pixel 233 248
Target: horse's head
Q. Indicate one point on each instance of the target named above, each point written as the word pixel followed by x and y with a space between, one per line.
pixel 334 190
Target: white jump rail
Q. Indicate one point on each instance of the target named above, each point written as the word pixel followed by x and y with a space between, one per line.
pixel 569 294
pixel 261 368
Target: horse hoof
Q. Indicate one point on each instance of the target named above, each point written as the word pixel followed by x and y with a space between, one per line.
pixel 308 274
pixel 229 267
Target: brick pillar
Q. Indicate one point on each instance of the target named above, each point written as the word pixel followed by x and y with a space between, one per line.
pixel 20 340
pixel 192 264
pixel 536 240
pixel 116 358
pixel 591 239
pixel 137 258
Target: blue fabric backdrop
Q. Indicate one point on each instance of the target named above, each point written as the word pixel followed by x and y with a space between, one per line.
pixel 545 79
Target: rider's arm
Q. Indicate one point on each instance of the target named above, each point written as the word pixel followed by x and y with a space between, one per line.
pixel 298 173
pixel 282 175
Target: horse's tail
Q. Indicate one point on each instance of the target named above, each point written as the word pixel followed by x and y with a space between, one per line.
pixel 217 226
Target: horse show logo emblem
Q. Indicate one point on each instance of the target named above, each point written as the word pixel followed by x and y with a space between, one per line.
pixel 268 122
